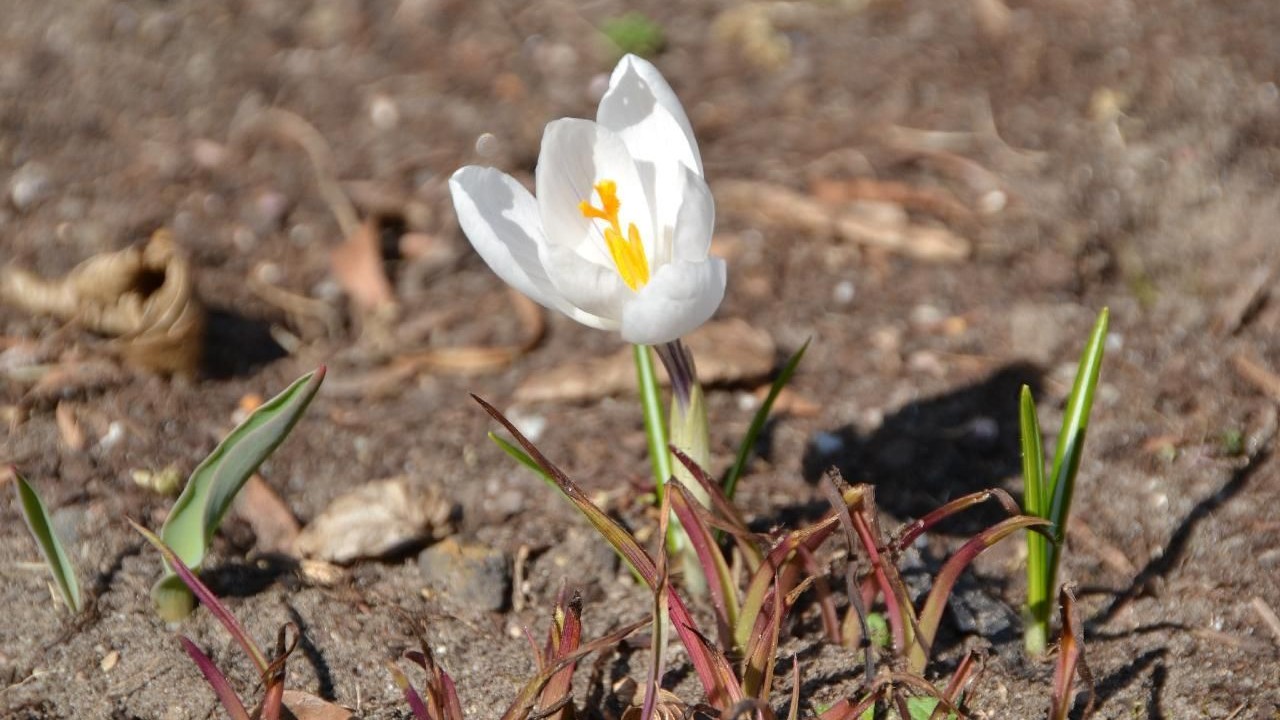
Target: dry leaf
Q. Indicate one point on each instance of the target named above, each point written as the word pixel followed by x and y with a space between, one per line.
pixel 142 296
pixel 273 523
pixel 726 351
pixel 357 266
pixel 872 224
pixel 69 427
pixel 299 705
pixel 376 519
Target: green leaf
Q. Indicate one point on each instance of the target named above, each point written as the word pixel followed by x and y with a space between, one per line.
pixel 730 482
pixel 1066 458
pixel 523 458
pixel 1035 501
pixel 213 485
pixel 55 556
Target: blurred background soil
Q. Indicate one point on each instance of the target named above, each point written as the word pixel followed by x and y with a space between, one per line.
pixel 940 194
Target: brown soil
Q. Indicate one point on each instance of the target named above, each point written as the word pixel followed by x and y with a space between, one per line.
pixel 1127 153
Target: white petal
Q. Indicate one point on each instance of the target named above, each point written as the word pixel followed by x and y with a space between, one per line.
pixel 577 154
pixel 500 218
pixel 695 221
pixel 678 299
pixel 640 102
pixel 590 288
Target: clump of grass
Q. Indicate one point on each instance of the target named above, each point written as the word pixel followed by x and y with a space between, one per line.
pixel 778 571
pixel 1049 496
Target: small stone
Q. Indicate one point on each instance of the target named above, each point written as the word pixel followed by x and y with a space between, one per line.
pixel 109 662
pixel 30 185
pixel 467 576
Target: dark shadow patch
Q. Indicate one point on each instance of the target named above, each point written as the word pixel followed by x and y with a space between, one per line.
pixel 935 450
pixel 239 579
pixel 235 346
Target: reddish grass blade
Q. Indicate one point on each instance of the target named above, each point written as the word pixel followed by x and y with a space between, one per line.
pixel 714 568
pixel 273 676
pixel 626 546
pixel 411 695
pixel 966 673
pixel 775 561
pixel 762 651
pixel 212 675
pixel 525 701
pixel 944 583
pixel 728 512
pixel 563 638
pixel 794 712
pixel 208 599
pixel 1070 661
pixel 661 620
pixel 909 533
pixel 826 602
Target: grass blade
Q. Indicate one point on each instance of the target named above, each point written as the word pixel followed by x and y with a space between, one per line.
pixel 720 583
pixel 207 598
pixel 728 512
pixel 214 483
pixel 55 555
pixel 940 593
pixel 655 428
pixel 411 695
pixel 730 481
pixel 521 457
pixel 564 637
pixel 1036 501
pixel 1070 661
pixel 217 681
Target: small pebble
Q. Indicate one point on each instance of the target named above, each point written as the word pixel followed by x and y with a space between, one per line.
pixel 30 185
pixel 843 292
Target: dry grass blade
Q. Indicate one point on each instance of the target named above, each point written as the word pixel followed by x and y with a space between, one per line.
pixel 714 567
pixel 728 513
pixel 1070 661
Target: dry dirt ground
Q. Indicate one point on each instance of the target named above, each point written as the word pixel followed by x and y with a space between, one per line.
pixel 1087 153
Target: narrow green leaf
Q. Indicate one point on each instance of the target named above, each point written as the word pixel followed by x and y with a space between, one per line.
pixel 1066 457
pixel 655 427
pixel 1035 501
pixel 55 555
pixel 521 457
pixel 213 485
pixel 730 482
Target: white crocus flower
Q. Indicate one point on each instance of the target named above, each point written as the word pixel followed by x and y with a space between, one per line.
pixel 619 234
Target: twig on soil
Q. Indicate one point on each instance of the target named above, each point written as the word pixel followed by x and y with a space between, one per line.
pixel 1253 372
pixel 1241 305
pixel 299 307
pixel 1268 616
pixel 1079 532
pixel 290 126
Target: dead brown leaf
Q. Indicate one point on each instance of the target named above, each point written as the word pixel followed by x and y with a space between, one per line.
pixel 273 523
pixel 375 519
pixel 880 225
pixel 727 351
pixel 300 705
pixel 68 427
pixel 357 265
pixel 142 296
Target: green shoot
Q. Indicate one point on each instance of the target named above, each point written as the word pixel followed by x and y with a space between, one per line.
pixel 747 447
pixel 213 485
pixel 55 555
pixel 1050 497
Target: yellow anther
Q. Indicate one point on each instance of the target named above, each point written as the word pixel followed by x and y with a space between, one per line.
pixel 627 252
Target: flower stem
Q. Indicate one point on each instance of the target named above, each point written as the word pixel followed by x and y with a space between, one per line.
pixel 654 425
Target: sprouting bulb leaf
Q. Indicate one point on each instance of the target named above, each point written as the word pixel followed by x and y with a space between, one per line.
pixel 730 482
pixel 213 485
pixel 55 556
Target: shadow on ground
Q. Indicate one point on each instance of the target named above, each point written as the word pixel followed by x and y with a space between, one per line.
pixel 936 449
